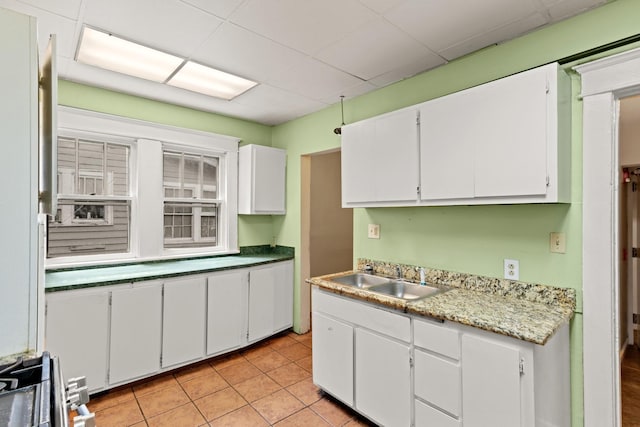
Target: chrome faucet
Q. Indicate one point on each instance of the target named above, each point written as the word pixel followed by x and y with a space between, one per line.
pixel 398 272
pixel 368 269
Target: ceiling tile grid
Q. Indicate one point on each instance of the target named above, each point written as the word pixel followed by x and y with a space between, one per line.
pixel 304 54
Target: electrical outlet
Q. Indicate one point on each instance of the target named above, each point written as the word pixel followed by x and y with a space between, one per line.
pixel 512 269
pixel 557 242
pixel 374 231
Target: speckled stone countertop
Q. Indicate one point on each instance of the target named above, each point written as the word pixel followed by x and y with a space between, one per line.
pixel 527 311
pixel 68 279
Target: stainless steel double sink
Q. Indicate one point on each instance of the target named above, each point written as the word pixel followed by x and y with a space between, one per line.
pixel 396 288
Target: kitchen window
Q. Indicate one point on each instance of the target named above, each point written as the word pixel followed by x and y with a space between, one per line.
pixel 190 183
pixel 94 198
pixel 130 190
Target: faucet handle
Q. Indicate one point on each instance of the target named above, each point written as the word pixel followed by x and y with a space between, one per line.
pixel 368 269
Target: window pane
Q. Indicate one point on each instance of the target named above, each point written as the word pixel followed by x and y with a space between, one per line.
pixel 210 178
pixel 90 165
pixel 171 172
pixel 117 171
pixel 191 176
pixel 177 220
pixel 87 229
pixel 82 227
pixel 190 225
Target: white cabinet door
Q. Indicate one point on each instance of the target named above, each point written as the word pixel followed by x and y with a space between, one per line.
pixel 183 320
pixel 77 328
pixel 227 311
pixel 491 393
pixel 447 147
pixel 283 298
pixel 262 285
pixel 382 379
pixel 379 160
pixel 437 381
pixel 261 180
pixel 511 151
pixel 333 357
pixel 136 328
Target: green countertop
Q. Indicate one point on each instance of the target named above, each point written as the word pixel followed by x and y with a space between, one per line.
pixel 62 280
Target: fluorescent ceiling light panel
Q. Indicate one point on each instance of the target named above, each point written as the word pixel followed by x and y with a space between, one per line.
pixel 209 81
pixel 113 53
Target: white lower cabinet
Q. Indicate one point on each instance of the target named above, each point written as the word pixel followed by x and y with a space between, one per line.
pixel 461 376
pixel 77 332
pixel 227 311
pixel 136 332
pixel 382 378
pixel 333 369
pixel 270 299
pixel 509 382
pixel 117 334
pixel 183 320
pixel 361 355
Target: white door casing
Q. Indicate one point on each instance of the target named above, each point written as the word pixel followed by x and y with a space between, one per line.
pixel 603 82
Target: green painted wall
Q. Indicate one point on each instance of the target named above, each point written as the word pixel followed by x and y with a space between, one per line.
pixel 252 230
pixel 472 239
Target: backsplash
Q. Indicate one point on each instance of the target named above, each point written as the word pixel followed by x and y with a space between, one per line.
pixel 533 292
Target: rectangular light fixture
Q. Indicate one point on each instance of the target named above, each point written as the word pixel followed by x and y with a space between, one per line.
pixel 104 50
pixel 199 78
pixel 113 53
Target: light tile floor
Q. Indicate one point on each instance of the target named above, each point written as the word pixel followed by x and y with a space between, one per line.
pixel 266 384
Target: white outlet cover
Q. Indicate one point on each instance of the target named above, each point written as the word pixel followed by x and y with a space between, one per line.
pixel 373 232
pixel 512 269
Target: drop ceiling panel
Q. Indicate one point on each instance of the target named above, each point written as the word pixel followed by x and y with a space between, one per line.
pixel 276 103
pixel 66 8
pixel 220 8
pixel 303 25
pixel 562 9
pixel 416 67
pixel 432 22
pixel 349 92
pixel 374 49
pixel 314 79
pixel 168 25
pixel 381 6
pixel 236 50
pixel 506 32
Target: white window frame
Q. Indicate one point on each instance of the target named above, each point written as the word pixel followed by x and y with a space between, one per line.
pixel 150 139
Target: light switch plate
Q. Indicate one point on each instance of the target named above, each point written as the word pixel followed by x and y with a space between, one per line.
pixel 557 242
pixel 512 269
pixel 374 231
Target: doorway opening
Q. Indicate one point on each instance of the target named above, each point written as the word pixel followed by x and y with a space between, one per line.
pixel 326 227
pixel 629 238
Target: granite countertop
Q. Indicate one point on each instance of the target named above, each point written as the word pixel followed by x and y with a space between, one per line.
pixel 526 311
pixel 68 279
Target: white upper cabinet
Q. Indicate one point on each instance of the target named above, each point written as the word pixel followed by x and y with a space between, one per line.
pixel 261 180
pixel 507 141
pixel 446 149
pixel 379 160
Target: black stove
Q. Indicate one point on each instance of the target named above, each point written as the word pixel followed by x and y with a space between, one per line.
pixel 32 393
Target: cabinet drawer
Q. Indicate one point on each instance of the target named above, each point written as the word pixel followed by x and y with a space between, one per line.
pixel 362 314
pixel 438 382
pixel 426 416
pixel 437 338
